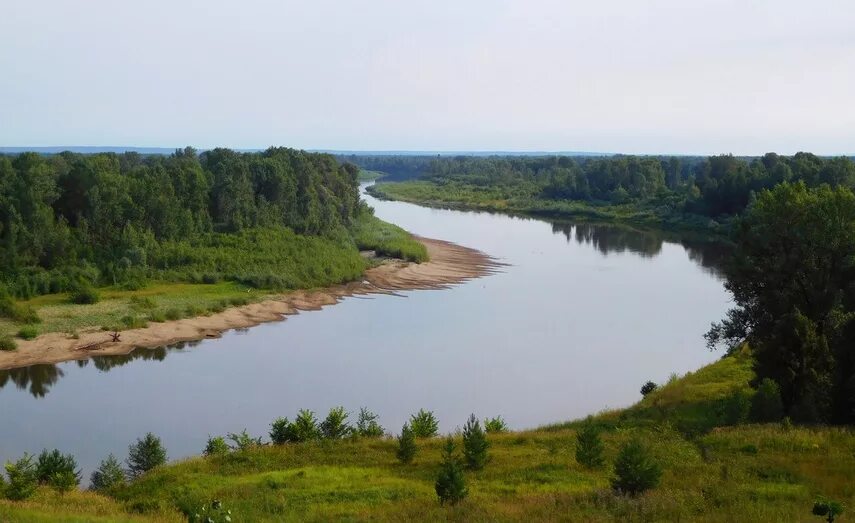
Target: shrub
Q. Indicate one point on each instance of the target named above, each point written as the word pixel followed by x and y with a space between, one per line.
pixel 28 333
pixel 22 478
pixel 55 463
pixel 635 470
pixel 108 475
pixel 7 343
pixel 475 444
pixel 305 427
pixel 735 408
pixel 243 441
pixel 766 406
pixel 450 483
pixel 216 445
pixel 335 425
pixel 280 431
pixel 173 314
pixel 648 387
pixel 589 447
pixel 84 294
pixel 367 425
pixel 142 303
pixel 64 481
pixel 495 425
pixel 16 311
pixel 145 454
pixel 424 424
pixel 157 316
pixel 829 509
pixel 406 445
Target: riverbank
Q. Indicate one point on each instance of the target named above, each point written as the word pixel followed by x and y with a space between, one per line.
pixel 464 197
pixel 449 264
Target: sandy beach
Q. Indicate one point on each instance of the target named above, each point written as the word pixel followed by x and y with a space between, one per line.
pixel 449 264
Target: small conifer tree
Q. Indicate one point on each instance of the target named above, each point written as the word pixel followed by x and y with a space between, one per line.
pixel 450 482
pixel 108 475
pixel 406 445
pixel 589 447
pixel 635 470
pixel 145 454
pixel 475 444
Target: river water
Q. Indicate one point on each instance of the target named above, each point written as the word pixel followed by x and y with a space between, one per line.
pixel 580 318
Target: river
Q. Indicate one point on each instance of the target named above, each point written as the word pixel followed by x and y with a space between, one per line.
pixel 577 321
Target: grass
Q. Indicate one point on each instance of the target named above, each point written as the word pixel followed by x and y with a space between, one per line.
pixel 742 473
pixel 367 176
pixel 371 233
pixel 514 199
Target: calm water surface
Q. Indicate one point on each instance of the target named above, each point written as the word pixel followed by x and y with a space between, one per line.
pixel 577 322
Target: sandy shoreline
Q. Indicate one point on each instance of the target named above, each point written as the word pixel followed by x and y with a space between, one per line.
pixel 449 264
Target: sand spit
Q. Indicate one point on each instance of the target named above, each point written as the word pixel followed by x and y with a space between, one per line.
pixel 449 264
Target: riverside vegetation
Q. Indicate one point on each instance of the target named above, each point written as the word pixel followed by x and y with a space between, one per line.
pixel 117 240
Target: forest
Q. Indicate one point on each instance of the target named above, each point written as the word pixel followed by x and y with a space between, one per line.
pixel 71 220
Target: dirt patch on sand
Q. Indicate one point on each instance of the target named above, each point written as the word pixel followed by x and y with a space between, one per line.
pixel 449 264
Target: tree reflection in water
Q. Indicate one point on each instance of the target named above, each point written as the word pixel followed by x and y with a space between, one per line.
pixel 38 379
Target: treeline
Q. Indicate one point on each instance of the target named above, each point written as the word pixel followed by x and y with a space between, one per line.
pixel 717 186
pixel 107 218
pixel 395 167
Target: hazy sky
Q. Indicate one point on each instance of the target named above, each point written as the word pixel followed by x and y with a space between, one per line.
pixel 669 76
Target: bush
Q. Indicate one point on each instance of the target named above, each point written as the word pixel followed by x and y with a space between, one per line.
pixel 28 333
pixel 173 314
pixel 7 343
pixel 827 508
pixel 145 454
pixel 424 424
pixel 17 312
pixel 64 481
pixel 475 444
pixel 157 316
pixel 495 425
pixel 280 431
pixel 648 387
pixel 243 441
pixel 450 483
pixel 22 478
pixel 589 447
pixel 635 470
pixel 335 426
pixel 84 294
pixel 54 463
pixel 367 425
pixel 109 475
pixel 766 406
pixel 305 426
pixel 216 445
pixel 735 408
pixel 406 445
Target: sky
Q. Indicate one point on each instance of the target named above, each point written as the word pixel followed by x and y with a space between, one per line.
pixel 629 76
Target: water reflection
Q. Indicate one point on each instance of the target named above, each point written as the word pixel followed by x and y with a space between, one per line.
pixel 612 238
pixel 38 379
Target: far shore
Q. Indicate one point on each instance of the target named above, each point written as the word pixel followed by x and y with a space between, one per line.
pixel 449 264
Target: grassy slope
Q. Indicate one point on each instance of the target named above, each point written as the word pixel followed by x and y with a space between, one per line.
pixel 508 199
pixel 280 257
pixel 745 473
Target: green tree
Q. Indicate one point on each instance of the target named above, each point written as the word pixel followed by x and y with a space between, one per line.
pixel 53 463
pixel 406 445
pixel 281 431
pixel 828 508
pixel 635 471
pixel 23 478
pixel 305 427
pixel 589 446
pixel 216 445
pixel 475 444
pixel 424 424
pixel 108 475
pixel 450 483
pixel 145 454
pixel 495 425
pixel 335 425
pixel 648 387
pixel 367 425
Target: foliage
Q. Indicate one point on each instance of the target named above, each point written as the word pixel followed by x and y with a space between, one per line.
pixel 370 233
pixel 242 440
pixel 56 464
pixel 424 424
pixel 589 446
pixel 766 406
pixel 635 470
pixel 305 426
pixel 23 478
pixel 335 425
pixel 144 455
pixel 367 425
pixel 450 483
pixel 84 294
pixel 215 513
pixel 736 407
pixel 647 388
pixel 28 332
pixel 64 481
pixel 216 445
pixel 109 475
pixel 406 445
pixel 791 279
pixel 495 425
pixel 475 444
pixel 7 343
pixel 280 431
pixel 15 311
pixel 828 508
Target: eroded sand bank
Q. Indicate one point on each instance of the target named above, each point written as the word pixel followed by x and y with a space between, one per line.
pixel 449 264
